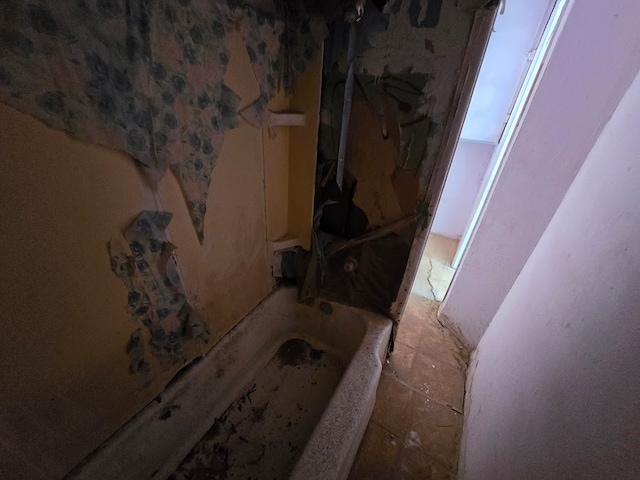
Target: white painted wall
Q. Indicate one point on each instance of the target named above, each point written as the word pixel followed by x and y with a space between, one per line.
pixel 555 392
pixel 461 188
pixel 596 57
pixel 515 33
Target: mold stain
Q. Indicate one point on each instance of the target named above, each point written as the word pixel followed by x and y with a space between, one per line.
pixel 428 46
pixel 296 352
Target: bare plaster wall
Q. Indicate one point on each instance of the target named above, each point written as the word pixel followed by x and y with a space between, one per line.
pixel 596 57
pixel 554 389
pixel 65 384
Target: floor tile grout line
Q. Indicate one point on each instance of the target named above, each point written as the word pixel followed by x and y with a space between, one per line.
pixel 462 368
pixel 393 421
pixel 433 459
pixel 451 340
pixel 386 429
pixel 402 438
pixel 431 399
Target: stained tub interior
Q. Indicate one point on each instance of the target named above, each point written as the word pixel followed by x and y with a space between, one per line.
pixel 287 393
pixel 263 432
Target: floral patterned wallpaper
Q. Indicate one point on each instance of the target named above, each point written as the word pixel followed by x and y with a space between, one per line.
pixel 156 296
pixel 146 76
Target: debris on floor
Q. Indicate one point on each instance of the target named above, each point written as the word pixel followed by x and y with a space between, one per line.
pixel 264 431
pixel 416 426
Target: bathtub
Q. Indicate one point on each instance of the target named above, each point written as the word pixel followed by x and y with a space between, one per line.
pixel 164 435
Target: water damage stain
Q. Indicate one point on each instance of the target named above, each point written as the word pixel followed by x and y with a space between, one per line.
pixel 326 308
pixel 262 433
pixel 428 45
pixel 168 412
pixel 297 352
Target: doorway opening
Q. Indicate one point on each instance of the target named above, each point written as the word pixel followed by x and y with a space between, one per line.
pixel 515 55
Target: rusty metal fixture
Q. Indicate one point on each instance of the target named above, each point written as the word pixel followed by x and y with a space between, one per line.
pixel 354 11
pixel 350 265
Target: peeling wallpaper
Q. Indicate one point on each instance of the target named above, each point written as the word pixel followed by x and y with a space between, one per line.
pixel 70 342
pixel 147 77
pixel 156 296
pixel 408 65
pixel 422 46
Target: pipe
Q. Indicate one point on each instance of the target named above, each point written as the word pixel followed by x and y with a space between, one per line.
pixel 346 104
pixel 354 11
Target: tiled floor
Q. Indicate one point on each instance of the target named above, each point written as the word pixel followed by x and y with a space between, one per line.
pixel 415 429
pixel 435 272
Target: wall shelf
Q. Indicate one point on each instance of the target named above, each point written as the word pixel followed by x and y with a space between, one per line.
pixel 290 151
